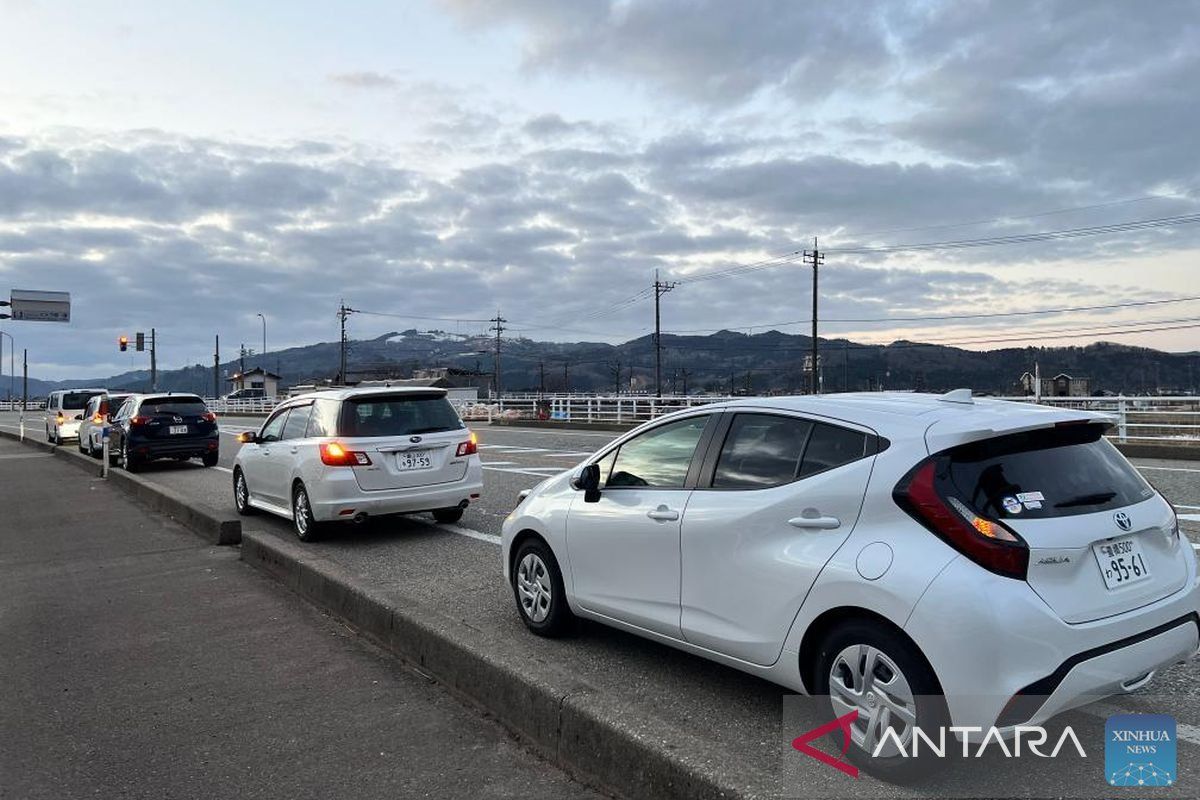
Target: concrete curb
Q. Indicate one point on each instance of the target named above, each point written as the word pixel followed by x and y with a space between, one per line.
pixel 594 735
pixel 207 523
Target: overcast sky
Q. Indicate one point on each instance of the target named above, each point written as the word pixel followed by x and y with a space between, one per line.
pixel 190 165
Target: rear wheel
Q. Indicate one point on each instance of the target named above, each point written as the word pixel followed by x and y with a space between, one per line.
pixel 57 438
pixel 538 588
pixel 306 527
pixel 130 463
pixel 210 459
pixel 241 494
pixel 448 516
pixel 869 669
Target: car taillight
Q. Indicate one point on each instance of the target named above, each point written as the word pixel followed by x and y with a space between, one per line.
pixel 139 420
pixel 208 416
pixel 336 455
pixel 988 543
pixel 60 418
pixel 468 448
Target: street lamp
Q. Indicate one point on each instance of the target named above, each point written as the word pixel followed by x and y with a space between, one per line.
pixel 264 350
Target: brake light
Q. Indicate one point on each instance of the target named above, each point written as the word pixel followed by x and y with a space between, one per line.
pixel 336 455
pixel 468 448
pixel 139 420
pixel 60 418
pixel 208 416
pixel 989 543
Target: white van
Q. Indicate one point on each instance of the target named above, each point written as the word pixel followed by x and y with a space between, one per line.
pixel 64 412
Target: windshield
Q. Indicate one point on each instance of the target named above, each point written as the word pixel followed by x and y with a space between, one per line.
pixel 1045 473
pixel 175 406
pixel 391 415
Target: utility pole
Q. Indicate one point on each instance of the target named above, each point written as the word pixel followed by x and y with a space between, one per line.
pixel 343 312
pixel 814 259
pixel 542 380
pixel 566 377
pixel 660 288
pixel 242 359
pixel 684 373
pixel 217 368
pixel 153 361
pixel 24 380
pixel 497 326
pixel 616 377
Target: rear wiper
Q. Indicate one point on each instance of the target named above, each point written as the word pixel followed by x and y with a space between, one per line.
pixel 1087 500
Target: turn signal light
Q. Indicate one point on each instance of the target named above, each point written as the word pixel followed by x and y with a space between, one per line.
pixel 336 455
pixel 468 448
pixel 97 419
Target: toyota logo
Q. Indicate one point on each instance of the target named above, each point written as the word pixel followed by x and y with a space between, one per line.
pixel 1123 521
pixel 415 439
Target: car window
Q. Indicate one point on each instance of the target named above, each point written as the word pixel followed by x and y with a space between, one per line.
pixel 830 446
pixel 273 430
pixel 297 422
pixel 398 415
pixel 1055 472
pixel 658 458
pixel 323 420
pixel 761 450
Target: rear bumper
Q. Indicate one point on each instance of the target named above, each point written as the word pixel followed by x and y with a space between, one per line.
pixel 156 448
pixel 67 430
pixel 991 639
pixel 337 495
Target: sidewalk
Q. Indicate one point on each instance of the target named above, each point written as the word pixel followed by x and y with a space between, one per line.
pixel 139 662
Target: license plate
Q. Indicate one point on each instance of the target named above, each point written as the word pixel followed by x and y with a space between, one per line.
pixel 1121 561
pixel 175 429
pixel 413 459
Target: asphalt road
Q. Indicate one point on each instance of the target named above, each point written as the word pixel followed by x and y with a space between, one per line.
pixel 457 570
pixel 139 662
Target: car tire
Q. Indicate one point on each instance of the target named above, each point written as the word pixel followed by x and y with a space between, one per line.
pixel 210 459
pixel 448 516
pixel 128 462
pixel 882 675
pixel 306 527
pixel 537 586
pixel 241 494
pixel 57 438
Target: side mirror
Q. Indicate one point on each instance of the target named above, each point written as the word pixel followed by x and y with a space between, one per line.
pixel 79 417
pixel 111 417
pixel 589 482
pixel 248 437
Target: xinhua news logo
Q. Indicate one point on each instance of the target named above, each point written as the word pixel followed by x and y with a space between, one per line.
pixel 1139 750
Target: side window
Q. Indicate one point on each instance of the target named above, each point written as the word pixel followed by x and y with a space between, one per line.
pixel 830 446
pixel 323 421
pixel 91 409
pixel 660 457
pixel 126 409
pixel 273 430
pixel 297 422
pixel 53 404
pixel 761 450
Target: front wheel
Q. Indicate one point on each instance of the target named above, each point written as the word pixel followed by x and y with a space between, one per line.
pixel 306 527
pixel 448 516
pixel 241 494
pixel 538 588
pixel 877 674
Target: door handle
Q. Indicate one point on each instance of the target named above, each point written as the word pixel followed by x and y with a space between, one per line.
pixel 815 522
pixel 663 514
pixel 295 449
pixel 266 451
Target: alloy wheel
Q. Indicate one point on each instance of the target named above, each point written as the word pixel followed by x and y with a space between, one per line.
pixel 866 679
pixel 240 493
pixel 300 511
pixel 534 587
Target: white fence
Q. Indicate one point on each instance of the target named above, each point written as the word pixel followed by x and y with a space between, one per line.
pixel 1160 420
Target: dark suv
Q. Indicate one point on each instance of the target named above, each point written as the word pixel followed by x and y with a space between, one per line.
pixel 150 426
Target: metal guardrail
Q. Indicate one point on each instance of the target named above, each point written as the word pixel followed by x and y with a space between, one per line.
pixel 1160 420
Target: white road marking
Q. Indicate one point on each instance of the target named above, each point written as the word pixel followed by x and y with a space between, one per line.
pixel 471 533
pixel 499 463
pixel 513 429
pixel 1193 508
pixel 1168 469
pixel 546 472
pixel 1189 517
pixel 1183 730
pixel 224 469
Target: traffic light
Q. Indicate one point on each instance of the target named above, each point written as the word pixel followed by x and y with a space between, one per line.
pixel 141 341
pixel 124 343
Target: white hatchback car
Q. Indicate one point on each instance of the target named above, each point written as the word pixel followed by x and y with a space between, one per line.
pixel 350 454
pixel 921 560
pixel 64 412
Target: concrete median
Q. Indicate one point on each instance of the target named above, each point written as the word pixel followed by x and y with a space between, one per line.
pixel 208 523
pixel 598 736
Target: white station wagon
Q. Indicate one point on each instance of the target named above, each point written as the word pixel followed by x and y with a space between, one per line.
pixel 350 454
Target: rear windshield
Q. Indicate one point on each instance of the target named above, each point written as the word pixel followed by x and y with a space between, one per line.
pixel 77 401
pixel 389 415
pixel 1046 473
pixel 176 406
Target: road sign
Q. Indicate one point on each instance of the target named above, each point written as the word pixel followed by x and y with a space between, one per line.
pixel 34 306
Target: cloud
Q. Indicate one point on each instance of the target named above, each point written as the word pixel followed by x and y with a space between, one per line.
pixel 365 80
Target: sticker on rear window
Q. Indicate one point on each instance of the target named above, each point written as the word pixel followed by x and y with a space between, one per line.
pixel 1032 500
pixel 1012 505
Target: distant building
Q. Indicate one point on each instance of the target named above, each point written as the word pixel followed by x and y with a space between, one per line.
pixel 457 394
pixel 1061 385
pixel 257 378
